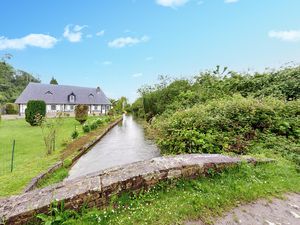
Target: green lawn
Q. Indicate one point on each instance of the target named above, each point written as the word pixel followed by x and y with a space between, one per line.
pixel 30 153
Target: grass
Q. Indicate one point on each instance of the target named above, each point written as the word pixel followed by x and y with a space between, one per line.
pixel 176 201
pixel 30 153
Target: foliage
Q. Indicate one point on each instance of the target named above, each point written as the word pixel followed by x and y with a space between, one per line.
pixel 35 108
pixel 58 214
pixel 226 125
pixel 171 95
pixel 50 129
pixel 53 81
pixel 75 134
pixel 119 106
pixel 81 113
pixel 11 109
pixel 13 82
pixel 178 201
pixel 86 128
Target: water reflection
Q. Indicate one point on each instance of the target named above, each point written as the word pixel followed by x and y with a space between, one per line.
pixel 124 144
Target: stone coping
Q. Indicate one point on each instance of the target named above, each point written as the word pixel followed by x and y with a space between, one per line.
pixel 96 189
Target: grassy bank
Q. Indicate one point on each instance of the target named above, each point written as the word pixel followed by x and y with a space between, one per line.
pixel 176 201
pixel 30 154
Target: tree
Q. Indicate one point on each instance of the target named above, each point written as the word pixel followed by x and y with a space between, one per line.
pixel 81 113
pixel 53 81
pixel 35 110
pixel 12 82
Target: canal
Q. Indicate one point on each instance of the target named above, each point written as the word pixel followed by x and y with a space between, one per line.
pixel 125 143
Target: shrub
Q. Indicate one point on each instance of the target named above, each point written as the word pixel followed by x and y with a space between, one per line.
pixel 226 125
pixel 86 128
pixel 75 134
pixel 35 109
pixel 81 113
pixel 99 121
pixel 94 125
pixel 11 108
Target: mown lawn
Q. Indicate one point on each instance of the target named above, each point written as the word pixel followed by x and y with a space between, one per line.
pixel 30 153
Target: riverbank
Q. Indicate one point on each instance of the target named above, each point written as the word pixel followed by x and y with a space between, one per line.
pixel 30 157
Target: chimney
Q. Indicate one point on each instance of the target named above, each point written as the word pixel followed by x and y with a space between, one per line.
pixel 98 90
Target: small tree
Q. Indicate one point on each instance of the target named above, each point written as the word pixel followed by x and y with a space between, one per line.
pixel 35 108
pixel 81 113
pixel 53 81
pixel 50 129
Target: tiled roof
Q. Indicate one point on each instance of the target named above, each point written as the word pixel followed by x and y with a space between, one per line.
pixel 58 94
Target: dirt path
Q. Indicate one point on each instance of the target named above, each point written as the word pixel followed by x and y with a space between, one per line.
pixel 263 212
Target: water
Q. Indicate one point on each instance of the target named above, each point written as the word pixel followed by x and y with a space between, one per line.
pixel 124 144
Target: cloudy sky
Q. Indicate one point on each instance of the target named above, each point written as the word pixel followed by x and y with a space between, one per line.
pixel 120 45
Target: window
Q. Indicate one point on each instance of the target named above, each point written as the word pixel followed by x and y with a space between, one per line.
pixel 72 98
pixel 53 107
pixel 71 107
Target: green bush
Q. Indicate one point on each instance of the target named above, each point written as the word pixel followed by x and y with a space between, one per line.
pixel 35 109
pixel 75 134
pixel 86 128
pixel 226 125
pixel 99 121
pixel 81 113
pixel 94 125
pixel 11 109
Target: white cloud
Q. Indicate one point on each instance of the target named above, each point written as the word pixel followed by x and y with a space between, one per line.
pixel 35 40
pixel 89 36
pixel 231 1
pixel 137 75
pixel 107 63
pixel 291 35
pixel 127 41
pixel 171 3
pixel 73 33
pixel 100 33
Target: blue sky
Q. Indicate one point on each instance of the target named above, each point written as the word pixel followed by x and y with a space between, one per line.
pixel 121 45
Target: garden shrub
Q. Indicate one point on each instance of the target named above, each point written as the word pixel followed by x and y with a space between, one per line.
pixel 35 109
pixel 81 113
pixel 75 134
pixel 11 109
pixel 86 128
pixel 99 121
pixel 94 125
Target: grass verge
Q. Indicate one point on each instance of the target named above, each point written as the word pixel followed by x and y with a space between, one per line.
pixel 176 201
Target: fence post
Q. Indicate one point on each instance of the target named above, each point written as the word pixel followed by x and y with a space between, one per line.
pixel 12 156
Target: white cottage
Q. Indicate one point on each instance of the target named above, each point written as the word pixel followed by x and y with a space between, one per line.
pixel 64 98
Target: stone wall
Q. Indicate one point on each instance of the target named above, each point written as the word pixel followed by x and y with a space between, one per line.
pixel 96 189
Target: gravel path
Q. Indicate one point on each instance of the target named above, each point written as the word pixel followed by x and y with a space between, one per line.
pixel 263 212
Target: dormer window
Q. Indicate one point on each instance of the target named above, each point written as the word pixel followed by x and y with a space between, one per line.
pixel 72 98
pixel 91 96
pixel 48 93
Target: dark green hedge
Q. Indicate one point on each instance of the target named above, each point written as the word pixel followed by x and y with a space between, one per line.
pixel 34 108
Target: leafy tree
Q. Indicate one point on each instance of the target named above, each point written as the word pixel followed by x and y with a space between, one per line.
pixel 81 113
pixel 35 110
pixel 53 81
pixel 12 82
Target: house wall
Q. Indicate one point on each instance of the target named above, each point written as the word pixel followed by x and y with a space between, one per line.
pixel 103 109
